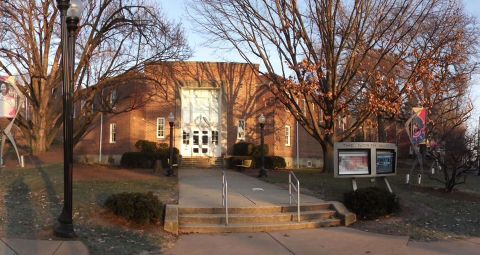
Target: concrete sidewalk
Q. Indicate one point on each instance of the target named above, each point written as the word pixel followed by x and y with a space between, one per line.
pixel 325 241
pixel 11 246
pixel 203 188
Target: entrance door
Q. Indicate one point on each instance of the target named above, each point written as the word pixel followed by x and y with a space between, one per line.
pixel 200 142
pixel 200 123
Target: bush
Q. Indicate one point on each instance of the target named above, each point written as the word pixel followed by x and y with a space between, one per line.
pixel 271 162
pixel 146 146
pixel 138 160
pixel 257 150
pixel 371 203
pixel 243 149
pixel 163 154
pixel 140 208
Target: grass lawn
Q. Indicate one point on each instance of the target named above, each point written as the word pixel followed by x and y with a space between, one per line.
pixel 427 212
pixel 32 200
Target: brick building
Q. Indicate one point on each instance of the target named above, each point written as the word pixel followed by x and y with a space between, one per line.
pixel 215 105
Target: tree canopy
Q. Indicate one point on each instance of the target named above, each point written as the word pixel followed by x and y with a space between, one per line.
pixel 116 39
pixel 347 58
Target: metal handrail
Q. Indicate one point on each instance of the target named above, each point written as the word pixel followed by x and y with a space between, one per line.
pixel 225 195
pixel 291 186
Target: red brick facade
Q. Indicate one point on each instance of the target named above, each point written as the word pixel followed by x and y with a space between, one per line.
pixel 234 93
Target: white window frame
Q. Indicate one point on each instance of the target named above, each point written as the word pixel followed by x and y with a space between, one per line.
pixel 113 132
pixel 288 136
pixel 113 97
pixel 160 131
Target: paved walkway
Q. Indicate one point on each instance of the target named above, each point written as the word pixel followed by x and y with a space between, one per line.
pixel 203 188
pixel 10 246
pixel 325 241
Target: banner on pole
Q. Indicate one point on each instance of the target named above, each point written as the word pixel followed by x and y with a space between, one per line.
pixel 8 97
pixel 419 123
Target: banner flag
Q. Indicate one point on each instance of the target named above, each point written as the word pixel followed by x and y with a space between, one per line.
pixel 419 123
pixel 8 96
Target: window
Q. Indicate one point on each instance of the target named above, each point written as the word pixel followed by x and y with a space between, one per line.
pixel 204 137
pixel 215 137
pixel 113 132
pixel 241 129
pixel 160 127
pixel 186 137
pixel 287 135
pixel 196 138
pixel 113 97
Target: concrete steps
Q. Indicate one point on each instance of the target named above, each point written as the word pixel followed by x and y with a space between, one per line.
pixel 252 219
pixel 263 227
pixel 202 162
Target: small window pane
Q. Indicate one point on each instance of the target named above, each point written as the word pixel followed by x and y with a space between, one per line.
pixel 160 127
pixel 186 137
pixel 195 138
pixel 287 135
pixel 113 132
pixel 215 137
pixel 205 139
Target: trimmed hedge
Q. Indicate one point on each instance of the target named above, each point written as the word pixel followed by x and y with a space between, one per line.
pixel 372 202
pixel 146 146
pixel 257 150
pixel 243 149
pixel 137 159
pixel 147 160
pixel 149 152
pixel 140 208
pixel 271 162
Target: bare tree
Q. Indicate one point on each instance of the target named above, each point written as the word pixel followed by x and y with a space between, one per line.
pixel 454 157
pixel 324 45
pixel 116 39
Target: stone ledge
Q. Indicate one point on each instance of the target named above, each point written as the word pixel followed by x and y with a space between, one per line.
pixel 171 219
pixel 347 217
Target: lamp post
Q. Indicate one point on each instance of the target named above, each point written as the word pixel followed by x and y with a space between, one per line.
pixel 263 171
pixel 171 120
pixel 70 11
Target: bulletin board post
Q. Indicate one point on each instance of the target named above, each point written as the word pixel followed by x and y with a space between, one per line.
pixel 365 160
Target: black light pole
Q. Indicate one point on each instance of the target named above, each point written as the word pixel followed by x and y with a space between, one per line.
pixel 171 120
pixel 72 9
pixel 263 171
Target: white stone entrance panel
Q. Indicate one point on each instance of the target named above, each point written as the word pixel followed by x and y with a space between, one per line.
pixel 200 123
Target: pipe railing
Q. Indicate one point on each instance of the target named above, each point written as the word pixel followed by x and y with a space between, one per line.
pixel 291 185
pixel 225 195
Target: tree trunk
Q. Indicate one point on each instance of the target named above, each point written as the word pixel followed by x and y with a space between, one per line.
pixel 381 132
pixel 38 140
pixel 328 154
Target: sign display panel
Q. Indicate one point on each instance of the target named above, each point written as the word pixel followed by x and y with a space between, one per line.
pixel 385 162
pixel 353 162
pixel 364 159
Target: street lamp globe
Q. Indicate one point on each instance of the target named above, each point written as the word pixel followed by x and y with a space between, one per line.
pixel 75 10
pixel 261 119
pixel 171 118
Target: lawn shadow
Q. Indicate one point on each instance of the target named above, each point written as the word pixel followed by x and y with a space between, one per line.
pixel 20 214
pixel 55 206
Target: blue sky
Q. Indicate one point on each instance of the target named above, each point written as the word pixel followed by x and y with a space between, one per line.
pixel 176 10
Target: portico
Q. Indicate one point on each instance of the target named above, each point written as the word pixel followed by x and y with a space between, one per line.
pixel 200 122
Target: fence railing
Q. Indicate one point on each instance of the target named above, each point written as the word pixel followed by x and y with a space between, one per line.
pixel 295 185
pixel 225 195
